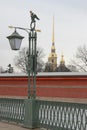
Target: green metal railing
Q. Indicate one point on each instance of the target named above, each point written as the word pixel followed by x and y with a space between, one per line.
pixel 62 115
pixel 12 109
pixel 47 114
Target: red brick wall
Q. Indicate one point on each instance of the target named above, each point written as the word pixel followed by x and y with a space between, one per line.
pixel 47 86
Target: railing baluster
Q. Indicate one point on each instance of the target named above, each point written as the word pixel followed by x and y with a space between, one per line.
pixel 51 115
pixel 12 109
pixel 61 115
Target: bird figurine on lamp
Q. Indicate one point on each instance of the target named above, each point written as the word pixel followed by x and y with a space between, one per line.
pixel 33 17
pixel 33 20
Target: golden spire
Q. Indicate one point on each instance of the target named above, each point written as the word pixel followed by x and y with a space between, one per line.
pixel 62 59
pixel 53 32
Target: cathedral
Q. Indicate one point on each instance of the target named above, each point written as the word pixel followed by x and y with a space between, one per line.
pixel 51 65
pixel 52 59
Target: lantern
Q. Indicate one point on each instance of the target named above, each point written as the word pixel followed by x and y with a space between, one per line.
pixel 15 40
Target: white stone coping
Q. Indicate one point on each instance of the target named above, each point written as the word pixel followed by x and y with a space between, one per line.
pixel 65 74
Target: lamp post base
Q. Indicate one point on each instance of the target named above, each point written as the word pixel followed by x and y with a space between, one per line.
pixel 31 117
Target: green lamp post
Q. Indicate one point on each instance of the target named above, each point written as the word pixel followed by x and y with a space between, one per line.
pixel 15 40
pixel 31 118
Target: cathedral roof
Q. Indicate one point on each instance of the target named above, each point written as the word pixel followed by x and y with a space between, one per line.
pixel 62 67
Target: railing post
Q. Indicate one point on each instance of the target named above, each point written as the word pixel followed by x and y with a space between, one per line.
pixel 31 114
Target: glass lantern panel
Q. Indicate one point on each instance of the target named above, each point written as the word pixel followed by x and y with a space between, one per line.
pixel 15 43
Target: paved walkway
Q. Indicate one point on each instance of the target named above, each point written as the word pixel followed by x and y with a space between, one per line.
pixel 11 126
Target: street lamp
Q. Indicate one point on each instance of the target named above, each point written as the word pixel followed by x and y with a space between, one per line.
pixel 15 40
pixel 15 43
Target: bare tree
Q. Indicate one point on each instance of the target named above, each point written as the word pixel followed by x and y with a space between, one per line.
pixel 80 59
pixel 21 60
pixel 48 67
pixel 72 68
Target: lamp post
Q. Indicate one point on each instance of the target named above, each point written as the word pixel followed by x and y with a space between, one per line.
pixel 15 42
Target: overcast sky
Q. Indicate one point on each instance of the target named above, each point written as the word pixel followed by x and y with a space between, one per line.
pixel 70 26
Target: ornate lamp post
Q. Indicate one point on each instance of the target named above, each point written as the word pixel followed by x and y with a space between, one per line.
pixel 15 42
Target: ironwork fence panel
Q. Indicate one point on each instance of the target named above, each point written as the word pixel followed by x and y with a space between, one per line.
pixel 48 114
pixel 12 109
pixel 62 115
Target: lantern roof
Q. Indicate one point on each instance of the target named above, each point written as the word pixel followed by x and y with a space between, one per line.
pixel 15 34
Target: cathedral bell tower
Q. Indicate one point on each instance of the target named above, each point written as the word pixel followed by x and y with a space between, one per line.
pixel 52 59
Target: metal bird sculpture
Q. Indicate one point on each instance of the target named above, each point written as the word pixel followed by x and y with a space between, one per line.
pixel 33 17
